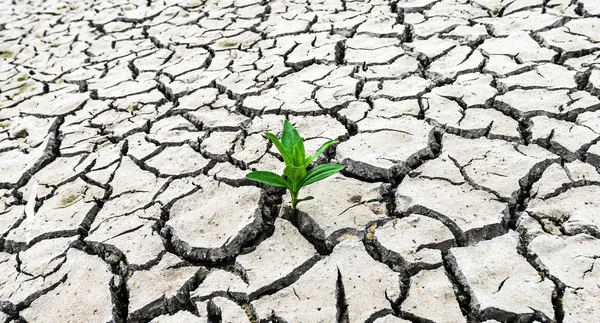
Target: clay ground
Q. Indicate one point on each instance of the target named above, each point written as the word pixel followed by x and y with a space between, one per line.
pixel 470 132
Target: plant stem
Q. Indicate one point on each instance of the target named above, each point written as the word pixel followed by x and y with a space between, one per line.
pixel 294 199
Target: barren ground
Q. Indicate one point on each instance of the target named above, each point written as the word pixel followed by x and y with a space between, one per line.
pixel 470 131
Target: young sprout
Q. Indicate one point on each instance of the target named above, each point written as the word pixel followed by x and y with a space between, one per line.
pixel 291 148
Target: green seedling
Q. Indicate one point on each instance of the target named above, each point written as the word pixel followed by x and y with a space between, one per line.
pixel 291 148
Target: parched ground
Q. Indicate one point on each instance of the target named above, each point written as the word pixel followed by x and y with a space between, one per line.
pixel 470 131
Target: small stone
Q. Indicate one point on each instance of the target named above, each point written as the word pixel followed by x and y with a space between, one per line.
pixel 582 63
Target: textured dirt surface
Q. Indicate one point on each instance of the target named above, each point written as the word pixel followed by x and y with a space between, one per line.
pixel 470 131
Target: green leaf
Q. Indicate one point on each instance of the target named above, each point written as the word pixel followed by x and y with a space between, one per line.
pixel 321 172
pixel 298 154
pixel 287 157
pixel 300 145
pixel 326 145
pixel 308 198
pixel 290 137
pixel 268 178
pixel 295 177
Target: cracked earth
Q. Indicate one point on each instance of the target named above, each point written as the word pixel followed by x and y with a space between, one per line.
pixel 470 132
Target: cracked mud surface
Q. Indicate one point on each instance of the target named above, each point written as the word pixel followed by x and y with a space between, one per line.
pixel 470 132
